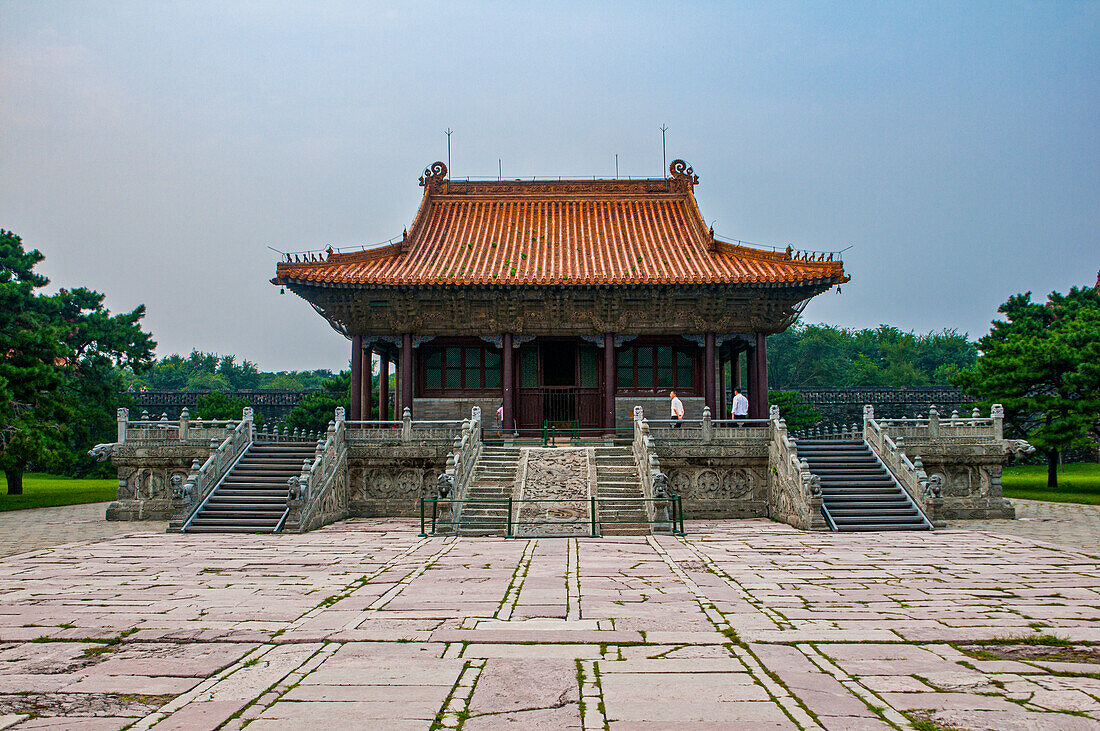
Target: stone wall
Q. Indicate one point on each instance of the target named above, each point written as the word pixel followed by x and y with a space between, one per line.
pixel 654 408
pixel 447 409
pixel 145 478
pixel 969 477
pixel 387 480
pixel 718 480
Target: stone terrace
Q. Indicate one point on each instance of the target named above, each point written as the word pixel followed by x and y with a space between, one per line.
pixel 365 624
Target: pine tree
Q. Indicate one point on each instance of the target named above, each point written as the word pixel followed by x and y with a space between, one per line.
pixel 59 359
pixel 1041 363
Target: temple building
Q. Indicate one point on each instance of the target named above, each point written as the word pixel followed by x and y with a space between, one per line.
pixel 564 301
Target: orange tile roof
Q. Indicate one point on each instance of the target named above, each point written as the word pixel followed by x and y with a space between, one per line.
pixel 559 232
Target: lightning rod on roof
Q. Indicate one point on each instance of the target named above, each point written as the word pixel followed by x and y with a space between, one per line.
pixel 448 132
pixel 500 169
pixel 616 166
pixel 664 156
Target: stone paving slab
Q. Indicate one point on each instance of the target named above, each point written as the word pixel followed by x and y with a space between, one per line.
pixel 28 530
pixel 366 624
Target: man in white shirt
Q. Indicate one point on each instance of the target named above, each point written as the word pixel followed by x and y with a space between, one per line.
pixel 677 410
pixel 740 405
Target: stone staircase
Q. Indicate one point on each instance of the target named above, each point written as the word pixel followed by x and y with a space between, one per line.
pixel 618 486
pixel 494 478
pixel 252 497
pixel 858 493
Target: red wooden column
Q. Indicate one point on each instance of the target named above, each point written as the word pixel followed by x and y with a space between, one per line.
pixel 736 370
pixel 609 382
pixel 406 373
pixel 761 357
pixel 709 374
pixel 368 366
pixel 384 386
pixel 750 379
pixel 356 378
pixel 507 383
pixel 724 411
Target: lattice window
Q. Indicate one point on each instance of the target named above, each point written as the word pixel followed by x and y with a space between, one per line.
pixel 529 367
pixel 492 368
pixel 684 371
pixel 590 376
pixel 656 368
pixel 665 367
pixel 456 368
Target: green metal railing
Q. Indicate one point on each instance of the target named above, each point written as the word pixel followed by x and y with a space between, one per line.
pixel 450 520
pixel 556 434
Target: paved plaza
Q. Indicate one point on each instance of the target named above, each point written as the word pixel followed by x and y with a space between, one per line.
pixel 365 624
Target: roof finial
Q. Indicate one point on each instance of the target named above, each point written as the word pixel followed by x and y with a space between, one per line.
pixel 433 176
pixel 683 176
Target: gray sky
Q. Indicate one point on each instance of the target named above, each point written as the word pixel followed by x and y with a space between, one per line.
pixel 153 150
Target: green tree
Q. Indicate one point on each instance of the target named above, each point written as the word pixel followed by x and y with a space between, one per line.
pixel 1041 364
pixel 795 410
pixel 59 355
pixel 823 356
pixel 314 412
pixel 223 406
pixel 205 380
pixel 282 382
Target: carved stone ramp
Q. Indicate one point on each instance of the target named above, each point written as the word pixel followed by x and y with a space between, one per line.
pixel 619 487
pixel 494 479
pixel 858 493
pixel 252 497
pixel 556 485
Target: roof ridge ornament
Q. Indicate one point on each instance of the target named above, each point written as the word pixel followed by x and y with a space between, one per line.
pixel 683 177
pixel 433 176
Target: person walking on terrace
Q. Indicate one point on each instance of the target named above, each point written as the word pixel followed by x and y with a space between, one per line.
pixel 740 405
pixel 677 410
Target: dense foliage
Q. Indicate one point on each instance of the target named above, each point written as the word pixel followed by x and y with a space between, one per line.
pixel 823 356
pixel 314 412
pixel 1043 364
pixel 223 406
pixel 60 359
pixel 215 372
pixel 795 410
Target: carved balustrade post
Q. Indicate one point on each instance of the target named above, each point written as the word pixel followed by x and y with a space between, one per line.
pixel 406 425
pixel 997 413
pixel 123 417
pixel 933 422
pixel 708 425
pixel 185 424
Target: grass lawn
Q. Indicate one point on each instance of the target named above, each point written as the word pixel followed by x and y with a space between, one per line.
pixel 1077 483
pixel 43 491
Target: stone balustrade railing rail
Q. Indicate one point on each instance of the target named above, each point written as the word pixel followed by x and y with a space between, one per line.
pixel 654 482
pixel 909 473
pixel 455 480
pixel 189 496
pixel 794 493
pixel 319 495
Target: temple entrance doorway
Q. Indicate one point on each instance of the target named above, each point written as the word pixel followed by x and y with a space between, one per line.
pixel 559 381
